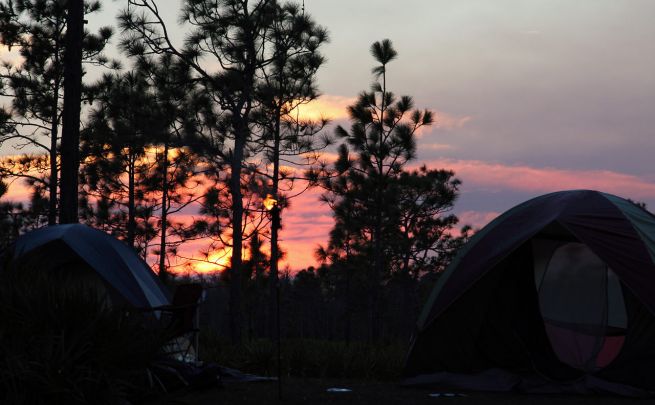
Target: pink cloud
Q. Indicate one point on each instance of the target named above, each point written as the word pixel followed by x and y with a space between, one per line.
pixel 494 176
pixel 448 121
pixel 336 108
pixel 476 219
pixel 435 146
pixel 442 121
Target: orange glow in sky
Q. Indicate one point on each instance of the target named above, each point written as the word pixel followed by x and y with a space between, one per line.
pixel 328 107
pixel 306 222
pixel 216 262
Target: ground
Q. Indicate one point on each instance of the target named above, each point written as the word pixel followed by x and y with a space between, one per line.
pixel 314 392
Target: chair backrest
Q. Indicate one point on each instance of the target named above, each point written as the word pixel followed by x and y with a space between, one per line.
pixel 184 306
pixel 186 294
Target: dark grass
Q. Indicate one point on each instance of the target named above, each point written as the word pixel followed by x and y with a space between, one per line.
pixel 371 371
pixel 308 358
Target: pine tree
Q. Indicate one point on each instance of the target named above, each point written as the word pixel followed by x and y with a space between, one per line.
pixel 288 83
pixel 175 179
pixel 35 86
pixel 125 122
pixel 372 196
pixel 235 35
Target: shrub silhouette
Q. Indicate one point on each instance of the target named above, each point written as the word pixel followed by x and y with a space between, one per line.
pixel 62 342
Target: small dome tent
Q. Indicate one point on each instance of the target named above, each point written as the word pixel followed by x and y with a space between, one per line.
pixel 81 248
pixel 555 295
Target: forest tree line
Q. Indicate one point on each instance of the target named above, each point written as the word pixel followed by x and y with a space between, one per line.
pixel 211 123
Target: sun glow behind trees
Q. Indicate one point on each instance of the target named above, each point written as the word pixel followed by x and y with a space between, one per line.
pixel 300 235
pixel 194 257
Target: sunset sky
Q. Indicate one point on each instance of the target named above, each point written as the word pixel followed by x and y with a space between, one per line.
pixel 531 96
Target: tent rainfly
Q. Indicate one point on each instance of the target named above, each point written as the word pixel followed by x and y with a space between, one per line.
pixel 126 275
pixel 555 295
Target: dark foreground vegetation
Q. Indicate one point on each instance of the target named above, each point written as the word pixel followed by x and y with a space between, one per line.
pixel 309 358
pixel 61 342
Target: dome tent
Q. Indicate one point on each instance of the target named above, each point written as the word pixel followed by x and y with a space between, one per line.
pixel 555 295
pixel 128 277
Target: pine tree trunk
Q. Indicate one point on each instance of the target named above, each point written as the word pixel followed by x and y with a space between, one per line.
pixel 54 133
pixel 378 264
pixel 163 274
pixel 70 139
pixel 274 278
pixel 236 287
pixel 131 215
pixel 52 187
pixel 374 279
pixel 348 306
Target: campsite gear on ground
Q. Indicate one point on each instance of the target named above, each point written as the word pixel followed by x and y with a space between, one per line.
pixel 81 248
pixel 173 375
pixel 446 395
pixel 555 295
pixel 231 375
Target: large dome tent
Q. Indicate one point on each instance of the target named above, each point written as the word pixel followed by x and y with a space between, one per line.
pixel 555 295
pixel 93 255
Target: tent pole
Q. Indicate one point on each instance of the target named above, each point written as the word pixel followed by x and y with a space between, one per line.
pixel 279 342
pixel 197 334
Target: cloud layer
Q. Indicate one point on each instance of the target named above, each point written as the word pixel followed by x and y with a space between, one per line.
pixel 486 176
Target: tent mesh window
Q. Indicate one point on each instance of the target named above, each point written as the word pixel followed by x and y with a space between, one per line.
pixel 581 302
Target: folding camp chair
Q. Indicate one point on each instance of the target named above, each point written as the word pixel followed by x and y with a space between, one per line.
pixel 184 320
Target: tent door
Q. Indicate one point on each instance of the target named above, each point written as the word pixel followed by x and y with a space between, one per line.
pixel 581 302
